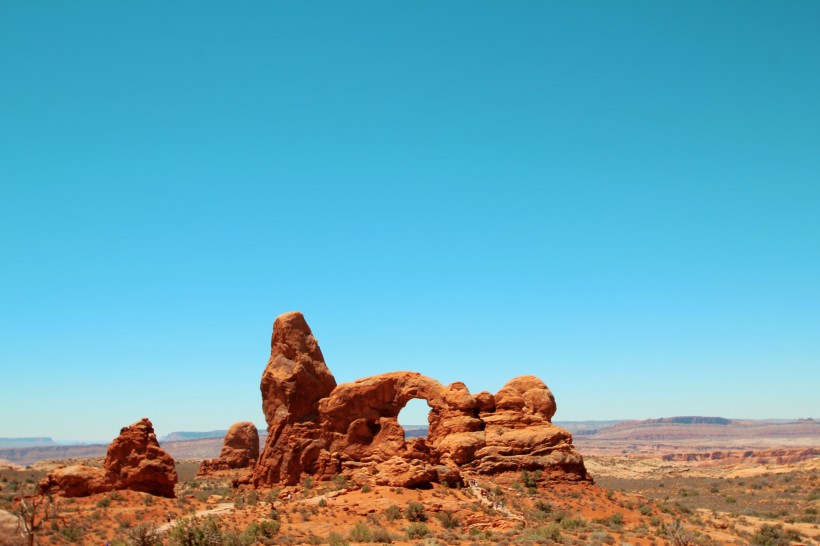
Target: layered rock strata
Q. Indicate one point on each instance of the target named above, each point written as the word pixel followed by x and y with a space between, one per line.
pixel 318 428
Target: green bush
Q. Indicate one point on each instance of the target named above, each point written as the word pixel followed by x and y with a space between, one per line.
pixel 539 535
pixel 382 535
pixel 573 523
pixel 415 512
pixel 72 533
pixel 543 506
pixel 774 535
pixel 392 513
pixel 265 528
pixel 252 498
pixel 417 530
pixel 447 519
pixel 645 510
pixel 340 481
pixel 144 534
pixel 361 533
pixel 335 539
pixel 196 532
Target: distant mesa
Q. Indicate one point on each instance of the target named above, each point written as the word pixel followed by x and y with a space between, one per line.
pixel 240 449
pixel 8 443
pixel 691 420
pixel 183 436
pixel 321 429
pixel 134 461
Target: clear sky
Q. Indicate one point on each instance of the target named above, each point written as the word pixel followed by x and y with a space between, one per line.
pixel 622 198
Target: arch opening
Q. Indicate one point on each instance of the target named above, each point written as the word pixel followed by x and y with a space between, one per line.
pixel 414 418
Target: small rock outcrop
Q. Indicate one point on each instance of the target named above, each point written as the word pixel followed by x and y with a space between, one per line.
pixel 240 449
pixel 134 461
pixel 318 428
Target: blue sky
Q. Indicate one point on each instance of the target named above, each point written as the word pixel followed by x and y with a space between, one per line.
pixel 618 197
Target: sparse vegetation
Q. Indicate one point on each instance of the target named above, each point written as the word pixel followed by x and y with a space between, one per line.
pixel 417 530
pixel 144 534
pixel 392 512
pixel 775 535
pixel 415 512
pixel 551 515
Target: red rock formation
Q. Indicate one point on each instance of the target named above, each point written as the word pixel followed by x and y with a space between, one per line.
pixel 134 461
pixel 294 381
pixel 318 428
pixel 75 481
pixel 240 449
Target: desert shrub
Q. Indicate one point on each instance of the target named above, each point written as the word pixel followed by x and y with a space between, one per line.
pixel 616 519
pixel 104 502
pixel 340 481
pixel 307 483
pixel 305 513
pixel 382 535
pixel 543 506
pixel 72 533
pixel 573 523
pixel 645 510
pixel 195 532
pixel 392 513
pixel 415 512
pixel 774 535
pixel 541 535
pixel 529 480
pixel 335 539
pixel 361 533
pixel 144 534
pixel 447 519
pixel 600 537
pixel 265 529
pixel 252 498
pixel 322 502
pixel 365 488
pixel 677 534
pixel 417 530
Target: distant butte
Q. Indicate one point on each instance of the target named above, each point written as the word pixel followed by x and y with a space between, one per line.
pixel 321 429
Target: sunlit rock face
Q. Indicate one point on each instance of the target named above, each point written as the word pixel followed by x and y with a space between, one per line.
pixel 321 429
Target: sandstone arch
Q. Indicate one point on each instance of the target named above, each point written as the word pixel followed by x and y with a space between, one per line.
pixel 316 427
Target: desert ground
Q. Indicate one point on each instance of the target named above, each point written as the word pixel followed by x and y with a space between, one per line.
pixel 744 491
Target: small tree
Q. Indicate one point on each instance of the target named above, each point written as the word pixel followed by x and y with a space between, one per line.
pixel 34 510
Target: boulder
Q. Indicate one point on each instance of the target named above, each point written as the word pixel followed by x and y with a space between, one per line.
pixel 240 449
pixel 75 481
